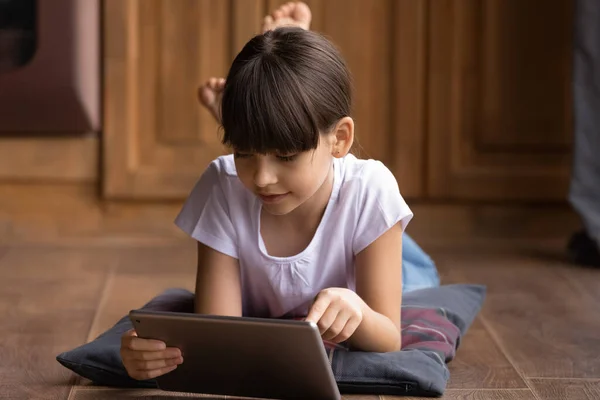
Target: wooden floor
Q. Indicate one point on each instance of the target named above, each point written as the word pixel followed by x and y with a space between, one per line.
pixel 70 266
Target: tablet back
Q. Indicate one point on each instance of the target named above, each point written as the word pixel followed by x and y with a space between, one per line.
pixel 246 357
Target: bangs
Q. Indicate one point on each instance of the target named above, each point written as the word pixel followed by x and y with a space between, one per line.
pixel 266 110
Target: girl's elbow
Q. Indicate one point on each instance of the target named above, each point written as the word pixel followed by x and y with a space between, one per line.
pixel 394 345
pixel 398 344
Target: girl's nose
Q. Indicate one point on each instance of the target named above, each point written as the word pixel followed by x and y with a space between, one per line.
pixel 264 173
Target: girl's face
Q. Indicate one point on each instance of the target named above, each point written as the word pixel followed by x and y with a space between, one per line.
pixel 283 182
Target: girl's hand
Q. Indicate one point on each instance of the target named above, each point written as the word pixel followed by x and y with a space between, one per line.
pixel 146 358
pixel 337 312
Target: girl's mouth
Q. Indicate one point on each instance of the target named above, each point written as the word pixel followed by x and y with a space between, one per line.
pixel 272 198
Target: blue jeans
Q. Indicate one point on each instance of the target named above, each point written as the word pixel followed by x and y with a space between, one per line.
pixel 418 269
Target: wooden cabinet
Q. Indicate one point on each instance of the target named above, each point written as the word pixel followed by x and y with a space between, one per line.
pixel 462 99
pixel 499 103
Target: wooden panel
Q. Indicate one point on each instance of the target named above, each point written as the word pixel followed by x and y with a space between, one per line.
pixel 408 96
pixel 384 44
pixel 559 389
pixel 365 48
pixel 499 100
pixel 480 364
pixel 54 159
pixel 192 45
pixel 157 138
pixel 525 75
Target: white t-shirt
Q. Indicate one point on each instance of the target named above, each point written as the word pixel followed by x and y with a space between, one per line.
pixel 222 214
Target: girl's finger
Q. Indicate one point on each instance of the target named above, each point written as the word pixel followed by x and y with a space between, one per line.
pixel 143 375
pixel 328 318
pixel 157 364
pixel 129 333
pixel 170 352
pixel 337 326
pixel 318 308
pixel 138 344
pixel 348 330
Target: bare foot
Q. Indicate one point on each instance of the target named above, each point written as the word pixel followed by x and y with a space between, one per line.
pixel 210 95
pixel 289 14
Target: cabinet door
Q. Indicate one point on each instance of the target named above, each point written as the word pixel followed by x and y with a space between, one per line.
pixel 157 139
pixel 499 103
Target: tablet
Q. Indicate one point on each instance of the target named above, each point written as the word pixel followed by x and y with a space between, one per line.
pixel 240 356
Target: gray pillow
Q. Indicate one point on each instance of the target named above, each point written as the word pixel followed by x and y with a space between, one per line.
pixel 419 369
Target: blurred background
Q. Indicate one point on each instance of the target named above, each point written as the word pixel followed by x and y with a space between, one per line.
pixel 468 102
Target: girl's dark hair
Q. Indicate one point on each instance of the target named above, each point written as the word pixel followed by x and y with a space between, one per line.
pixel 283 88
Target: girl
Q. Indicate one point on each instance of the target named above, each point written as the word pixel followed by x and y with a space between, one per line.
pixel 292 225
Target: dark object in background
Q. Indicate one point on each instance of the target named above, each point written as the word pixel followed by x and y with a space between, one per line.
pixel 57 92
pixel 18 33
pixel 584 193
pixel 583 250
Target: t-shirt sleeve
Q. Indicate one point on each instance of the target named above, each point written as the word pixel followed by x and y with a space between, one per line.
pixel 379 205
pixel 205 214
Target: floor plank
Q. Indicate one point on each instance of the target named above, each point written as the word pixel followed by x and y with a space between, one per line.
pixel 480 364
pixel 126 291
pixel 73 214
pixel 586 280
pixel 92 393
pixel 560 389
pixel 174 258
pixel 48 299
pixel 543 323
pixel 477 394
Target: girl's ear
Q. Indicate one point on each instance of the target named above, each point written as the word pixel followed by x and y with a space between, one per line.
pixel 344 137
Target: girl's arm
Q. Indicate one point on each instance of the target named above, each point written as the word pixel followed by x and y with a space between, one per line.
pixel 218 284
pixel 379 285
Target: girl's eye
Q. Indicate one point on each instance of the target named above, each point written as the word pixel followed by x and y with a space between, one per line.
pixel 287 158
pixel 241 155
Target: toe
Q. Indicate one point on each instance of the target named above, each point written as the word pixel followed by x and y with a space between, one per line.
pixel 302 12
pixel 286 8
pixel 206 96
pixel 267 23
